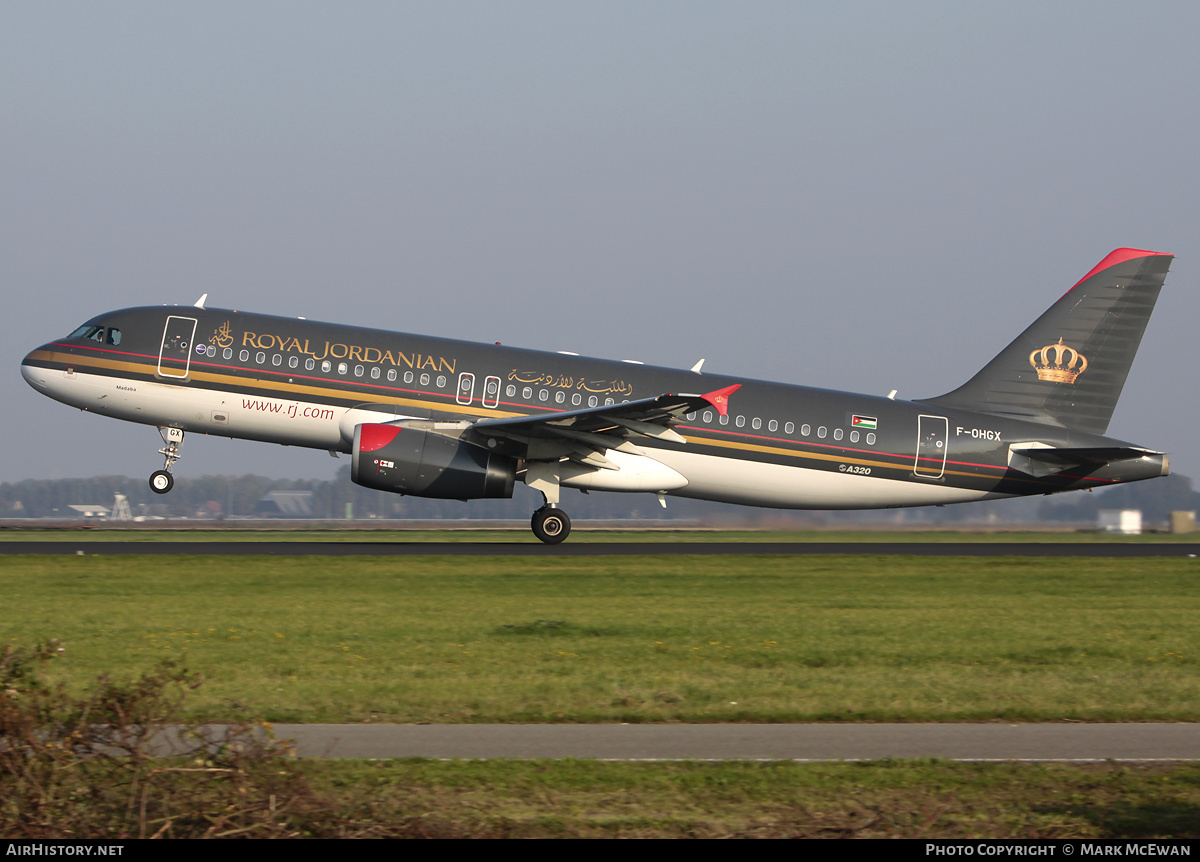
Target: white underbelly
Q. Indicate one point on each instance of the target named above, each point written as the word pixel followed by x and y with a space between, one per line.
pixel 754 483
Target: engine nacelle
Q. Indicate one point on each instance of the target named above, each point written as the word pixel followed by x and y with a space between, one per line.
pixel 427 464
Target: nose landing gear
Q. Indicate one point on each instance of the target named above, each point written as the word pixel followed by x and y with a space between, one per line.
pixel 161 481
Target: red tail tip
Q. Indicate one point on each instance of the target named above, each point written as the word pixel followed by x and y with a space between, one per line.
pixel 1117 256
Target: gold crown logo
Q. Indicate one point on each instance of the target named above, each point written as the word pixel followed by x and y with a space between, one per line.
pixel 1058 363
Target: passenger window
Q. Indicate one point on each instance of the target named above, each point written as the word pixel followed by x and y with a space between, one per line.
pixel 756 423
pixel 790 428
pixel 358 371
pixel 441 381
pixel 707 416
pixel 227 353
pixel 543 395
pixel 560 397
pixel 576 399
pixel 510 391
pixel 821 432
pixel 741 421
pixel 853 436
pixel 343 368
pixel 276 359
pixel 408 377
pixel 244 356
pixel 527 393
pixel 724 420
pixel 424 379
pixel 773 425
pixel 260 357
pixel 310 364
pixel 593 401
pixel 837 433
pixel 293 362
pixel 871 439
pixel 326 365
pixel 392 374
pixel 805 430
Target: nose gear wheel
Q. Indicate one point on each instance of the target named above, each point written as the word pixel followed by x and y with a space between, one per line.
pixel 161 481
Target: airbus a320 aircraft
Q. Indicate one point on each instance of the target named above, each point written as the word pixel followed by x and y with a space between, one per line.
pixel 433 417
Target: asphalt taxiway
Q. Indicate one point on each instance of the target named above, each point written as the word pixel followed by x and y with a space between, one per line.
pixel 591 549
pixel 1065 742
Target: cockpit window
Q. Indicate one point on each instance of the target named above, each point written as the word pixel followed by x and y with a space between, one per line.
pixel 98 334
pixel 90 332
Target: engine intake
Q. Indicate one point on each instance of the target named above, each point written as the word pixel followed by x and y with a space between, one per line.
pixel 428 464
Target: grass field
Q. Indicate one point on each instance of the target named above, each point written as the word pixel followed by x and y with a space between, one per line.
pixel 653 638
pixel 634 639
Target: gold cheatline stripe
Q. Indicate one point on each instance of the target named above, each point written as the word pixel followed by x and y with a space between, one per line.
pixel 257 383
pixel 814 456
pixel 277 385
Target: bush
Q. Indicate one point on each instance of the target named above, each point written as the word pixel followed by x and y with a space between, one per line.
pixel 114 762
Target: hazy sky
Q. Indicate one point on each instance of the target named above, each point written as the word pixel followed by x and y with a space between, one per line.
pixel 858 195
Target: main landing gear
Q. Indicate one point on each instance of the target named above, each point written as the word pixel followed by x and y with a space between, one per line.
pixel 161 481
pixel 550 524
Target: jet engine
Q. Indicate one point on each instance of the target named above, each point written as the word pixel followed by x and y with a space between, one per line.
pixel 424 463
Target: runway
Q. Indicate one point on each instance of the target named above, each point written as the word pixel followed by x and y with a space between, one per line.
pixel 1071 743
pixel 592 549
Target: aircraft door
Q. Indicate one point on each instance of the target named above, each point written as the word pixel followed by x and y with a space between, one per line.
pixel 933 433
pixel 491 391
pixel 175 353
pixel 466 387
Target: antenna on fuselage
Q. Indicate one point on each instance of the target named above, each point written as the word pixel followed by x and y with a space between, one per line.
pixel 200 302
pixel 696 367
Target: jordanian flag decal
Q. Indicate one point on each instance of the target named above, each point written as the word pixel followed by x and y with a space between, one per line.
pixel 868 422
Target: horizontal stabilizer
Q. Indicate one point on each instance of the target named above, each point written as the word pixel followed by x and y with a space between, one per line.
pixel 1040 459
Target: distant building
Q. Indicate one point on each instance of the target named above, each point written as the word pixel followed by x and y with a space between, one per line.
pixel 1183 522
pixel 89 511
pixel 1126 521
pixel 285 504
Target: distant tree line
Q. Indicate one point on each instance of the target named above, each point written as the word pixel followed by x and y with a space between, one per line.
pixel 1157 498
pixel 219 497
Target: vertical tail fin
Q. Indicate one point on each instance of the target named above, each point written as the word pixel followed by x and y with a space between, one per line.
pixel 1069 367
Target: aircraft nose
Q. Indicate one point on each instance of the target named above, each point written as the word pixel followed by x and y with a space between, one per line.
pixel 34 375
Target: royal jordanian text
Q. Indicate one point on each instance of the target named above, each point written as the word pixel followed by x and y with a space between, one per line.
pixel 337 350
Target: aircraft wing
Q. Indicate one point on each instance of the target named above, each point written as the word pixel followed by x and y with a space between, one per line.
pixel 583 435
